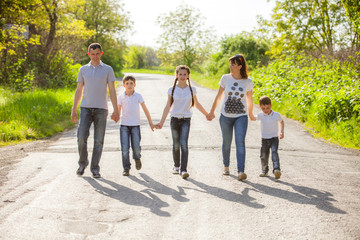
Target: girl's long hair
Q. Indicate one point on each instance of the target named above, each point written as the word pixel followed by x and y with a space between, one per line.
pixel 178 68
pixel 239 59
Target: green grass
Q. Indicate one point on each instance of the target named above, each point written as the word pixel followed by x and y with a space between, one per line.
pixel 34 115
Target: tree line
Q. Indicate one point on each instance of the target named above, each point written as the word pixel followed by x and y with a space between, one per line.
pixel 41 41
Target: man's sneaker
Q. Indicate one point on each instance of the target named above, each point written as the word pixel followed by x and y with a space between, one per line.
pixel 80 170
pixel 264 173
pixel 138 164
pixel 96 175
pixel 126 172
pixel 176 170
pixel 184 175
pixel 277 174
pixel 242 176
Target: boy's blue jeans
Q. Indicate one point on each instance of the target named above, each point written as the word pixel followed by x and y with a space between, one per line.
pixel 87 117
pixel 180 128
pixel 266 145
pixel 130 134
pixel 239 126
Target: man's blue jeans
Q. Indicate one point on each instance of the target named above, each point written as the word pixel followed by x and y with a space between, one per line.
pixel 239 126
pixel 87 117
pixel 180 128
pixel 130 134
pixel 266 145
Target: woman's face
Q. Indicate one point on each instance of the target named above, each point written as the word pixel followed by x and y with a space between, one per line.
pixel 234 68
pixel 182 75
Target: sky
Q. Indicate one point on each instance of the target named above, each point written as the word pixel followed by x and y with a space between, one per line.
pixel 225 16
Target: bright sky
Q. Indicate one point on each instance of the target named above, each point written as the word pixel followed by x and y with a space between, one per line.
pixel 226 16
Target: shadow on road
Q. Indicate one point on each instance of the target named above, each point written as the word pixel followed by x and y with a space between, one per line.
pixel 157 187
pixel 303 195
pixel 243 198
pixel 129 196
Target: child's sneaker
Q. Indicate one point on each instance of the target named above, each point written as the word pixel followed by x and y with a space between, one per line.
pixel 176 170
pixel 226 171
pixel 138 164
pixel 264 173
pixel 242 176
pixel 126 172
pixel 277 174
pixel 184 175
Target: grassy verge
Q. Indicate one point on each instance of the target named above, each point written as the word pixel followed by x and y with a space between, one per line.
pixel 34 115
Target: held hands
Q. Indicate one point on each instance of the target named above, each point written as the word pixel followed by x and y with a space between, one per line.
pixel 158 126
pixel 115 116
pixel 210 116
pixel 252 117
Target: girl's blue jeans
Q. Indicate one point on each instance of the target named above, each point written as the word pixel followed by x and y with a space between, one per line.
pixel 130 134
pixel 239 126
pixel 180 128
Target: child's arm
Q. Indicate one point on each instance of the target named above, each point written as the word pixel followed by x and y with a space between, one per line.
pixel 282 126
pixel 147 114
pixel 250 104
pixel 216 102
pixel 200 107
pixel 165 112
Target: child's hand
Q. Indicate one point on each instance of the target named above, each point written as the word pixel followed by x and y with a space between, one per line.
pixel 281 135
pixel 252 117
pixel 210 116
pixel 158 126
pixel 152 126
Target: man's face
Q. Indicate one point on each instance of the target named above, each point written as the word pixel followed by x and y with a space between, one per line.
pixel 95 55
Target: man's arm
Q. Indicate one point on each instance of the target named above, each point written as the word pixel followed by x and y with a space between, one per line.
pixel 115 115
pixel 78 94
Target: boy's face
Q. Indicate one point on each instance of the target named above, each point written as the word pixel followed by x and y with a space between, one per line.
pixel 266 108
pixel 129 85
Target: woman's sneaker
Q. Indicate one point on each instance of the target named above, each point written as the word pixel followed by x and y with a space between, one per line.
pixel 277 174
pixel 176 170
pixel 242 176
pixel 184 175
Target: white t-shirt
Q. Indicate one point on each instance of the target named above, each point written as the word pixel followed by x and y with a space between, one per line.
pixel 234 104
pixel 181 107
pixel 130 108
pixel 269 124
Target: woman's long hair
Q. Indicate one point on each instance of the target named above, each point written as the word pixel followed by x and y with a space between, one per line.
pixel 178 68
pixel 239 59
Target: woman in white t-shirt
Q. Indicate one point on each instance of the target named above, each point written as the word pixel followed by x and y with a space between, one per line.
pixel 236 107
pixel 181 99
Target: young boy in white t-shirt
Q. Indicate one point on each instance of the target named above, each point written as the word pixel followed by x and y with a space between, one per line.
pixel 128 106
pixel 270 121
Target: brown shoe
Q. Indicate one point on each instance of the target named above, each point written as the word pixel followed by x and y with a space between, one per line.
pixel 277 174
pixel 242 176
pixel 138 164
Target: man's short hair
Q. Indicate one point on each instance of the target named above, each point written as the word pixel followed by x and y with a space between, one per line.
pixel 94 46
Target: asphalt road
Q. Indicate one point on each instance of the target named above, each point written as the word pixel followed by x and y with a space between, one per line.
pixel 317 197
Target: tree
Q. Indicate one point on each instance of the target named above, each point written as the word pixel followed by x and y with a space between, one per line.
pixel 140 57
pixel 183 37
pixel 352 8
pixel 309 25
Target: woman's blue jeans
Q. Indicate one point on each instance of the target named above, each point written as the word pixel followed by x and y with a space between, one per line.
pixel 180 128
pixel 239 126
pixel 130 134
pixel 87 117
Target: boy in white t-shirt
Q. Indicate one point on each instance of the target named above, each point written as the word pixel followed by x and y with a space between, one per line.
pixel 270 136
pixel 128 106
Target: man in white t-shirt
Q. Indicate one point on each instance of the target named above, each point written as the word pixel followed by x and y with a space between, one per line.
pixel 270 121
pixel 129 109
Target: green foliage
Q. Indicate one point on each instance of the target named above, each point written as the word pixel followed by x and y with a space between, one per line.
pixel 140 57
pixel 253 49
pixel 324 93
pixel 184 40
pixel 34 114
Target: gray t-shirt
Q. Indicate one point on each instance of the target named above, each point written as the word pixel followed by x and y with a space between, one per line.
pixel 95 81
